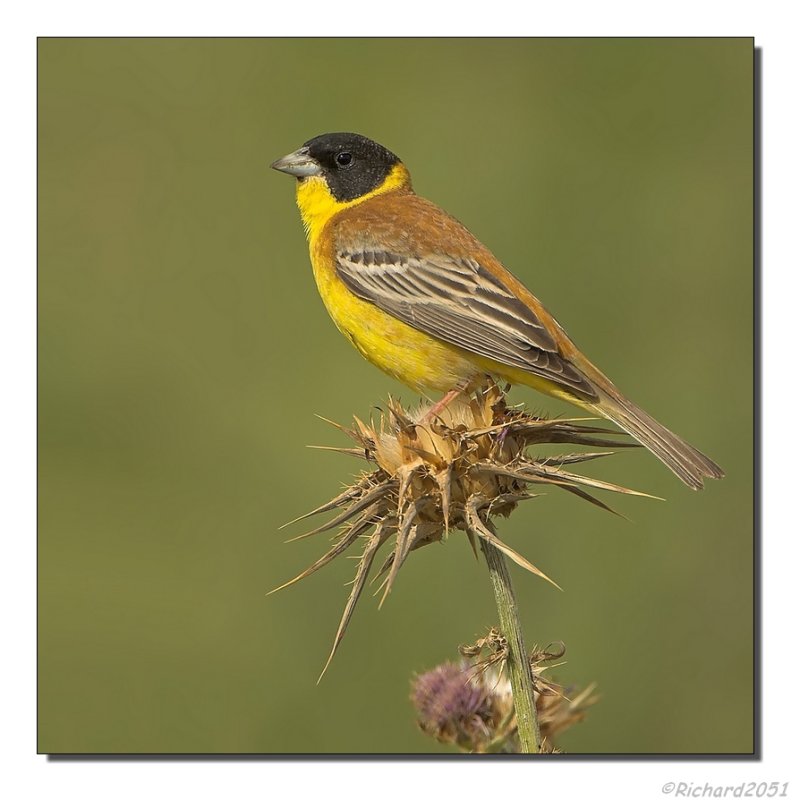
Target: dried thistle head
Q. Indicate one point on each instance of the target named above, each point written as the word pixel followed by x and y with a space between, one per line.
pixel 455 470
pixel 557 708
pixel 560 710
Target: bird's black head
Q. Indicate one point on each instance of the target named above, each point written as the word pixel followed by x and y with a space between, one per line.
pixel 350 164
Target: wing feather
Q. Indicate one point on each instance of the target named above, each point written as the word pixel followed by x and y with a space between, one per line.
pixel 460 302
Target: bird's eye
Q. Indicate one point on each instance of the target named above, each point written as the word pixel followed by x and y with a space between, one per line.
pixel 344 159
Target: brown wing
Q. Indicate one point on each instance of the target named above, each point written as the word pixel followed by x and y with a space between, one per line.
pixel 457 300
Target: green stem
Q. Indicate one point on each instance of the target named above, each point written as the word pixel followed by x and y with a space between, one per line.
pixel 517 664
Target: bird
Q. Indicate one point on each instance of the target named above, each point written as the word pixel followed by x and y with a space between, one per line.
pixel 420 297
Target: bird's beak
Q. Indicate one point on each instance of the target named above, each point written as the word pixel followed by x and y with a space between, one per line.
pixel 300 164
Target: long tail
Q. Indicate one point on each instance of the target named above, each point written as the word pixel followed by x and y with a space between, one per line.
pixel 688 463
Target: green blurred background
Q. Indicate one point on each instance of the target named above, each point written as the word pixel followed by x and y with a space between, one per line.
pixel 184 353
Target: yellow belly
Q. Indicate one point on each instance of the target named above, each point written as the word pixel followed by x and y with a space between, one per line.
pixel 412 357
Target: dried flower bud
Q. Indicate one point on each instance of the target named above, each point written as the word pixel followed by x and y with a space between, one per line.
pixel 557 712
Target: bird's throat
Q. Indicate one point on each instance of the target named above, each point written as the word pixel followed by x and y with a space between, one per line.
pixel 317 204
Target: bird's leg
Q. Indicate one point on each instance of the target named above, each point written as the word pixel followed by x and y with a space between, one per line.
pixel 439 406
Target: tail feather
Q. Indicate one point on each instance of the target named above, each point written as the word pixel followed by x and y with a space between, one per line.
pixel 688 463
